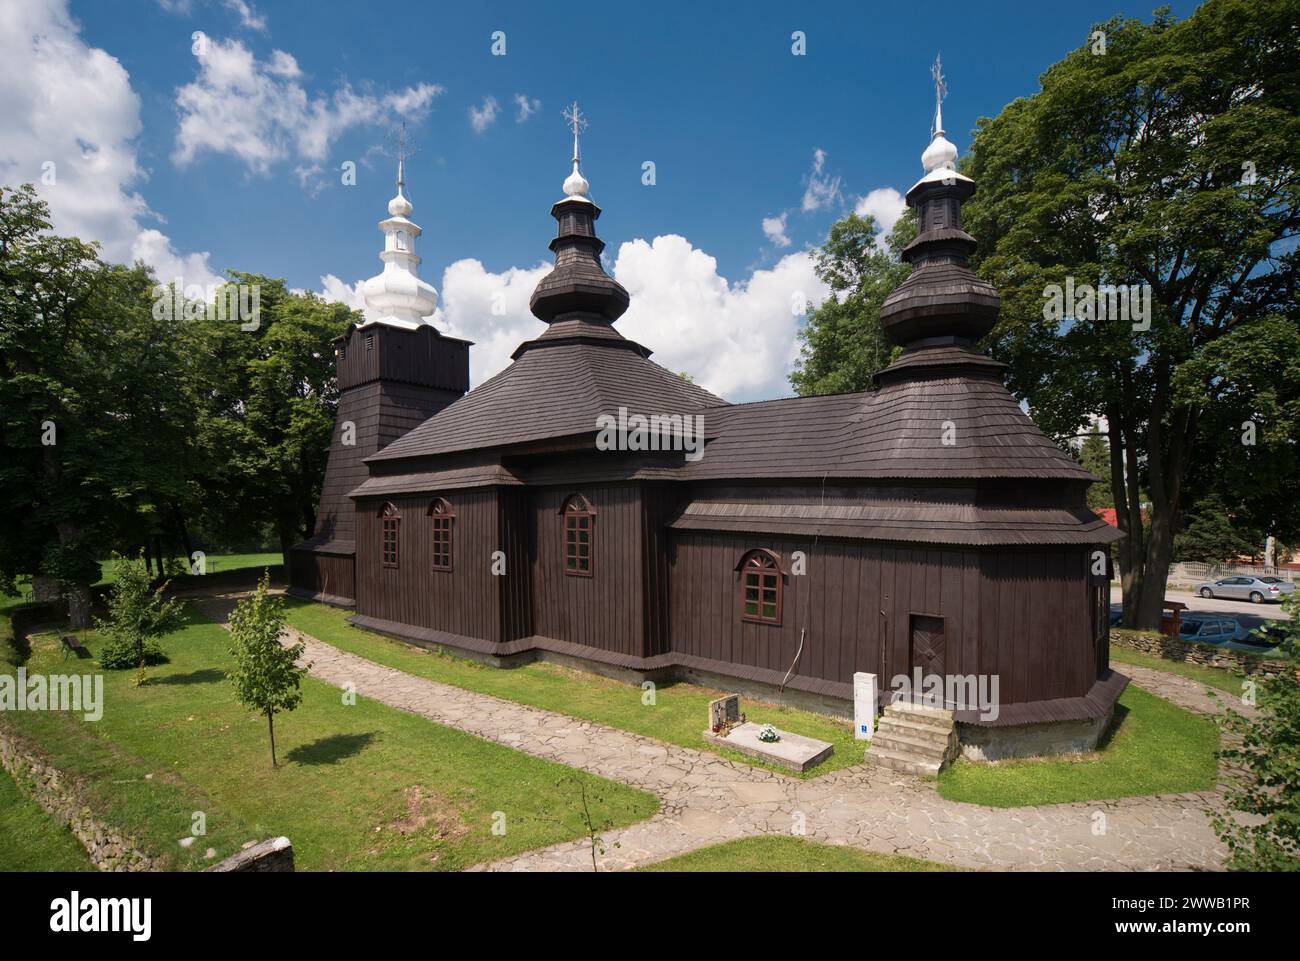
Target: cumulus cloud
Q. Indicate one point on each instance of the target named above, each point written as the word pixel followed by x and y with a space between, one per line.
pixel 480 118
pixel 334 289
pixel 821 189
pixel 72 105
pixel 249 18
pixel 738 340
pixel 774 229
pixel 885 204
pixel 526 107
pixel 258 112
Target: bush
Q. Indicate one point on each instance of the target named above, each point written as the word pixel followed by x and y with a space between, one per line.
pixel 136 618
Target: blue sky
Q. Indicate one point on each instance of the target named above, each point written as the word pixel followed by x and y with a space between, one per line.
pixel 711 93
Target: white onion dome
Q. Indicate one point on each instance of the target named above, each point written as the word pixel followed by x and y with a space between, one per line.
pixel 575 185
pixel 940 155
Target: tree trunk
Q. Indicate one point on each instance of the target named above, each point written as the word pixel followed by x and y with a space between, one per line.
pixel 46 590
pixel 78 598
pixel 270 727
pixel 286 542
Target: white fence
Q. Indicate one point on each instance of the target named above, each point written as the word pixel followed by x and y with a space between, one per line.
pixel 1193 572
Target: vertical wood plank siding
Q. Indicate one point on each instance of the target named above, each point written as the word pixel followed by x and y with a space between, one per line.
pixel 465 600
pixel 1023 615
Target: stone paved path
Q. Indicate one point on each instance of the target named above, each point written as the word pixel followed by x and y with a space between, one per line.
pixel 705 799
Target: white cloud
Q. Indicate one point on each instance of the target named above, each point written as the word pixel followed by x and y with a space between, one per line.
pixel 248 16
pixel 480 118
pixel 72 104
pixel 527 106
pixel 490 309
pixel 258 112
pixel 885 204
pixel 334 289
pixel 774 229
pixel 738 340
pixel 821 190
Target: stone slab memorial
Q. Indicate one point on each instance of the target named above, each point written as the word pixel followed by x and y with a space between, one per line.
pixel 794 752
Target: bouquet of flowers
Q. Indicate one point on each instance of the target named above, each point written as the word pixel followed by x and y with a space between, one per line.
pixel 768 734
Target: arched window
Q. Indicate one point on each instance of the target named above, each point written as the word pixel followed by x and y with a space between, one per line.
pixel 390 524
pixel 760 587
pixel 441 517
pixel 578 517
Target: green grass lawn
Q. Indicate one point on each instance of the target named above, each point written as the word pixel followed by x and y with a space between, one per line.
pixel 359 787
pixel 30 840
pixel 214 564
pixel 1221 679
pixel 770 853
pixel 1156 748
pixel 679 715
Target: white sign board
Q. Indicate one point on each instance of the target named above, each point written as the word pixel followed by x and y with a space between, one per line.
pixel 864 706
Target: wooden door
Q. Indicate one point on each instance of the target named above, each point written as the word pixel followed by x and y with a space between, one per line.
pixel 926 645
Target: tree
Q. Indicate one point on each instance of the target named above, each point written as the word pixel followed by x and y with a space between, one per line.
pixel 266 675
pixel 1095 455
pixel 842 344
pixel 269 400
pixel 136 618
pixel 46 409
pixel 1264 769
pixel 1168 163
pixel 1212 534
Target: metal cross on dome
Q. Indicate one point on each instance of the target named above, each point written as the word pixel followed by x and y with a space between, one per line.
pixel 576 122
pixel 940 90
pixel 405 150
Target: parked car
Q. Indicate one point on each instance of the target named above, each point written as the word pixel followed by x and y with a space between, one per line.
pixel 1209 629
pixel 1244 588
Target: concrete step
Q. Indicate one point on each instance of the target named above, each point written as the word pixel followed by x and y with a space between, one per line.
pixel 898 761
pixel 920 713
pixel 908 727
pixel 921 750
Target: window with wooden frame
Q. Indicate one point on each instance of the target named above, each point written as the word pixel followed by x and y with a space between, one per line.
pixel 578 518
pixel 390 526
pixel 760 586
pixel 441 519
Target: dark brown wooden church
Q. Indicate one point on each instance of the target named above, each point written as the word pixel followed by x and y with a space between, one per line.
pixel 927 523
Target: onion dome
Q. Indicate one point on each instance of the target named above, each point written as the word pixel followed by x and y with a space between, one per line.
pixel 398 296
pixel 943 302
pixel 578 286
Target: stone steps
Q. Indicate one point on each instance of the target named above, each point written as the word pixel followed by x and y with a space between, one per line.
pixel 914 739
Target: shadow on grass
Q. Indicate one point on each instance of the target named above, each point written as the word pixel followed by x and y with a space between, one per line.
pixel 332 749
pixel 1116 723
pixel 209 675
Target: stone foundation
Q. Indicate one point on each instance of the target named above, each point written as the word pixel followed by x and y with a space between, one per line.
pixel 983 743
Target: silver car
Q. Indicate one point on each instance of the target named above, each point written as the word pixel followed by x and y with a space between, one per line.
pixel 1245 588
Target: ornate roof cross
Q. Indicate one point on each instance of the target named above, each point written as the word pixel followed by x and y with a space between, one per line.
pixel 576 122
pixel 405 150
pixel 940 91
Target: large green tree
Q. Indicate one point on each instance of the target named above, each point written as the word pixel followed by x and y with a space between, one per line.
pixel 1163 157
pixel 842 343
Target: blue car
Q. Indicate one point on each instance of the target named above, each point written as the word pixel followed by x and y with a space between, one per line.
pixel 1210 630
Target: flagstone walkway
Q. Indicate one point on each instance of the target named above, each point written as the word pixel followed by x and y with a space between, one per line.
pixel 705 799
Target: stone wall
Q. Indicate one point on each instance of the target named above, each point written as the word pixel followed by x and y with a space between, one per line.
pixel 109 849
pixel 1176 649
pixel 273 855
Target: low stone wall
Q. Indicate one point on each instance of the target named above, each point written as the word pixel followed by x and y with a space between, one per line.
pixel 109 849
pixel 1176 649
pixel 271 856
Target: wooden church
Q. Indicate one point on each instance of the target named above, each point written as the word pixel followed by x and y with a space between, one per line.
pixel 926 524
